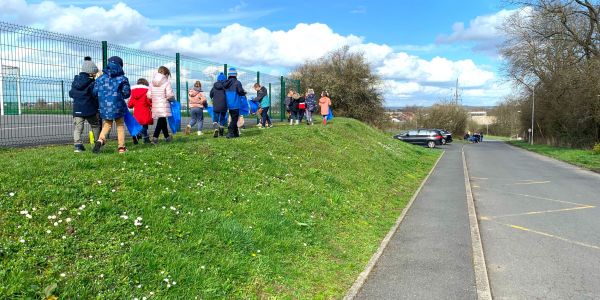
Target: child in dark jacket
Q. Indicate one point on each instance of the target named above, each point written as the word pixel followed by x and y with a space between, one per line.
pixel 311 106
pixel 264 103
pixel 234 92
pixel 219 100
pixel 85 103
pixel 112 88
pixel 142 109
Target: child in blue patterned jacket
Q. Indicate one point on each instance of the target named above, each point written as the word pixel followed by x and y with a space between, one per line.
pixel 112 88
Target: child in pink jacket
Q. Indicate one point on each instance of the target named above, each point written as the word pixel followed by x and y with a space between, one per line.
pixel 325 103
pixel 198 103
pixel 161 94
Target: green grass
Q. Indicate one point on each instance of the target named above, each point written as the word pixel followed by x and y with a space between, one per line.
pixel 286 213
pixel 582 158
pixel 496 138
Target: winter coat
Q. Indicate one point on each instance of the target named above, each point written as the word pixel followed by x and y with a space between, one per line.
pixel 288 101
pixel 234 92
pixel 325 102
pixel 142 106
pixel 294 104
pixel 85 103
pixel 160 93
pixel 217 94
pixel 262 98
pixel 301 100
pixel 311 103
pixel 112 88
pixel 197 98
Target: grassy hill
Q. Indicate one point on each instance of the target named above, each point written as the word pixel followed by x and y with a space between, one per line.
pixel 289 212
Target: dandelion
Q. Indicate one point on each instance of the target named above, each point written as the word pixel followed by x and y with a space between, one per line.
pixel 69 220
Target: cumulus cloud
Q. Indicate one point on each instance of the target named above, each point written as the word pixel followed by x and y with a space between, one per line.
pixel 120 23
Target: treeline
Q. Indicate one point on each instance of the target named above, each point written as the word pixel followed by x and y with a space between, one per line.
pixel 552 53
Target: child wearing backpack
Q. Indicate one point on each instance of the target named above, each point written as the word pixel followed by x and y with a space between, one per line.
pixel 161 94
pixel 85 103
pixel 197 105
pixel 325 103
pixel 112 88
pixel 142 109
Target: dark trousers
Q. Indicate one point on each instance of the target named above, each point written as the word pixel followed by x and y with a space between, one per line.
pixel 144 132
pixel 161 126
pixel 265 117
pixel 233 128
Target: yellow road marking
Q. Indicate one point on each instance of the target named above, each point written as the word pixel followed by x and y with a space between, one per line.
pixel 552 236
pixel 531 183
pixel 541 212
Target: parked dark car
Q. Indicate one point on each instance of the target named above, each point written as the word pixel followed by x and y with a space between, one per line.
pixel 429 137
pixel 447 136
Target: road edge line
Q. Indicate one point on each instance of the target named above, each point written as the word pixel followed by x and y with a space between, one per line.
pixel 482 281
pixel 362 278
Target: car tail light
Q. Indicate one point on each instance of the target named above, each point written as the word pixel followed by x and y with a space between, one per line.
pixel 439 137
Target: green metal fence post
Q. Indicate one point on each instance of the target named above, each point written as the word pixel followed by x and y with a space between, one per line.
pixel 178 76
pixel 298 86
pixel 270 98
pixel 225 69
pixel 62 90
pixel 104 54
pixel 282 99
pixel 187 105
pixel 258 77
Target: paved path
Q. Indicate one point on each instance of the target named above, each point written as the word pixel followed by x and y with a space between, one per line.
pixel 430 256
pixel 539 221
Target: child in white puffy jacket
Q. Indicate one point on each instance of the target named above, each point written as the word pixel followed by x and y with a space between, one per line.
pixel 161 94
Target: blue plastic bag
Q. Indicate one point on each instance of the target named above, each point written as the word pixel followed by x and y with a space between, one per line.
pixel 211 113
pixel 132 124
pixel 175 118
pixel 253 107
pixel 330 115
pixel 244 107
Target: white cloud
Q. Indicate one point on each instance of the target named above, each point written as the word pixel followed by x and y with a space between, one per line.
pixel 480 29
pixel 120 23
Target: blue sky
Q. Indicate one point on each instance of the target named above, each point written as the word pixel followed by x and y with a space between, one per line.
pixel 418 47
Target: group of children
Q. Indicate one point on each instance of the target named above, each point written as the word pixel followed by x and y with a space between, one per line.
pixel 100 99
pixel 299 107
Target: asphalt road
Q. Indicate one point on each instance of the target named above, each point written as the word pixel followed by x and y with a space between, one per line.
pixel 539 222
pixel 430 256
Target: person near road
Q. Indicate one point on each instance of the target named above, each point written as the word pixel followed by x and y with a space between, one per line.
pixel 85 103
pixel 311 106
pixel 233 92
pixel 197 105
pixel 325 104
pixel 161 94
pixel 264 103
pixel 219 100
pixel 142 109
pixel 112 88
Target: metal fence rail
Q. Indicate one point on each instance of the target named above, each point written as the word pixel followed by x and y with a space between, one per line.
pixel 37 68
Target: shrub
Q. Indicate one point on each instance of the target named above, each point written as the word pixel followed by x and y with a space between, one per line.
pixel 596 149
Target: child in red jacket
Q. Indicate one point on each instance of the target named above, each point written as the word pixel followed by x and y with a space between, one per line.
pixel 142 109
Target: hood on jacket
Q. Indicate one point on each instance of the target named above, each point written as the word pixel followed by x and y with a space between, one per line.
pixel 139 91
pixel 113 70
pixel 219 85
pixel 229 82
pixel 221 77
pixel 82 81
pixel 159 79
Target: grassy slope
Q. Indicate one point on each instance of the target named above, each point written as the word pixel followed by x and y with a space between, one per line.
pixel 286 212
pixel 583 158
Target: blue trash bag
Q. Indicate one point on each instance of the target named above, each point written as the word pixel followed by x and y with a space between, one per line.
pixel 330 115
pixel 211 113
pixel 253 107
pixel 132 124
pixel 244 107
pixel 175 118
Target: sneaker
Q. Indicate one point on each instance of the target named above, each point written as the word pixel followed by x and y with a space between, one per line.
pixel 187 130
pixel 199 133
pixel 155 141
pixel 169 139
pixel 216 134
pixel 261 127
pixel 79 148
pixel 270 125
pixel 135 140
pixel 122 150
pixel 221 131
pixel 97 146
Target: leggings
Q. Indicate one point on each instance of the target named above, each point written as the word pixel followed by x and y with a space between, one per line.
pixel 161 126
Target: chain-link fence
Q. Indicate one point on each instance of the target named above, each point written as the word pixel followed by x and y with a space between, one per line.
pixel 37 68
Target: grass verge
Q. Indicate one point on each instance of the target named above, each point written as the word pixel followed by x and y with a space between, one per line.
pixel 288 212
pixel 582 158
